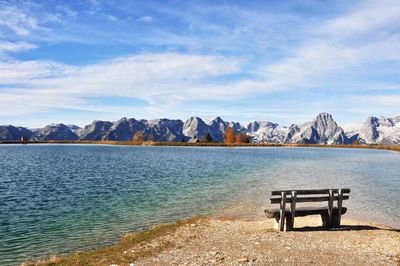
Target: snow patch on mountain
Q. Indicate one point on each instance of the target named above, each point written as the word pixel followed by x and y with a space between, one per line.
pixel 263 131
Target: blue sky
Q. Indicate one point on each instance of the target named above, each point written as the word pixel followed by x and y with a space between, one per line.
pixel 281 61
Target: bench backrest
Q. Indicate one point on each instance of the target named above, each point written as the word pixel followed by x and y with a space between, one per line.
pixel 312 195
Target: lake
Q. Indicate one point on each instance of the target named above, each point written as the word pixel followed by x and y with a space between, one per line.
pixel 61 198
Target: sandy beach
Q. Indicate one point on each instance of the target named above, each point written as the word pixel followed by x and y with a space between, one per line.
pixel 213 241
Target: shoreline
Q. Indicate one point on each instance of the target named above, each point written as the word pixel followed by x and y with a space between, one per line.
pixel 212 144
pixel 219 240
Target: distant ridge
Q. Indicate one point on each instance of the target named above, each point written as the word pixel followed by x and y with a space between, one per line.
pixel 323 129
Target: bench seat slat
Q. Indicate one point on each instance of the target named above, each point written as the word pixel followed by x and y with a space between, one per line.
pixel 309 191
pixel 274 213
pixel 275 200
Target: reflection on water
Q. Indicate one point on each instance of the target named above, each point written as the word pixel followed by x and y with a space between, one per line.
pixel 58 198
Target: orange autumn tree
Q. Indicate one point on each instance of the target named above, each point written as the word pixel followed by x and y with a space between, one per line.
pixel 229 136
pixel 241 138
pixel 138 137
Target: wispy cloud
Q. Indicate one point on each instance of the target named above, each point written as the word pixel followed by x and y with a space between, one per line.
pixel 159 79
pixel 146 19
pixel 368 17
pixel 197 57
pixel 14 47
pixel 17 21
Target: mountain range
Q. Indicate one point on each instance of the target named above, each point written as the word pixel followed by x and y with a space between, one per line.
pixel 323 129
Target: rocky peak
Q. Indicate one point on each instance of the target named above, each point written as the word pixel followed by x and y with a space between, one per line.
pixel 97 130
pixel 74 127
pixel 322 130
pixel 195 127
pixel 54 132
pixel 11 133
pixel 124 129
pixel 164 130
pixel 326 127
pixel 396 120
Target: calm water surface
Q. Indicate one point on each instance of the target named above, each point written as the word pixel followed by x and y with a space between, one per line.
pixel 60 198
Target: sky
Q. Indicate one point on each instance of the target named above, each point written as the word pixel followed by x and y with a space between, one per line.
pixel 280 61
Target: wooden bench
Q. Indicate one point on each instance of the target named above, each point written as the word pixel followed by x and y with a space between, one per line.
pixel 330 215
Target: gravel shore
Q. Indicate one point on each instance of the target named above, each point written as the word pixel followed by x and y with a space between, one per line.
pixel 235 242
pixel 217 241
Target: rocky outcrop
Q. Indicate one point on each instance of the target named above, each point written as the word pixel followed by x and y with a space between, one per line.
pixel 263 131
pixel 124 129
pixel 195 127
pixel 54 132
pixel 164 130
pixel 95 131
pixel 217 128
pixel 379 130
pixel 322 130
pixel 11 133
pixel 74 128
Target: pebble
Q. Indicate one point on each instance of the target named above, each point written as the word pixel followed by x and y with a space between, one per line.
pixel 243 260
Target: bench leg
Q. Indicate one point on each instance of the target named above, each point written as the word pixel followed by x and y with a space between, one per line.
pixel 289 223
pixel 276 224
pixel 335 221
pixel 325 220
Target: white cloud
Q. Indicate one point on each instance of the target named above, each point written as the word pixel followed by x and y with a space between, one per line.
pixel 17 21
pixel 146 19
pixel 159 79
pixel 386 101
pixel 27 72
pixel 14 47
pixel 323 54
pixel 370 16
pixel 112 18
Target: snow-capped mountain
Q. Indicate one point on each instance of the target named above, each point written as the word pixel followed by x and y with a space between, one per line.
pixel 322 130
pixel 378 130
pixel 263 131
pixel 217 127
pixel 195 127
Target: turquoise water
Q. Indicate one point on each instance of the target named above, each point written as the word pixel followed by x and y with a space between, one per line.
pixel 60 198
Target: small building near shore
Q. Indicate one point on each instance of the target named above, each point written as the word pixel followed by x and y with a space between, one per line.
pixel 24 139
pixel 194 140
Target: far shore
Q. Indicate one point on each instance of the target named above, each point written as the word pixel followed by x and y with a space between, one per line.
pixel 210 144
pixel 222 241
